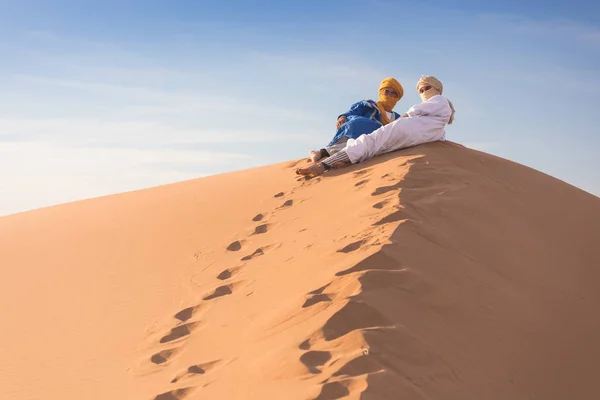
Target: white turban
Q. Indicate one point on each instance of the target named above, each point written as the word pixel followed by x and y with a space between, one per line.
pixel 436 88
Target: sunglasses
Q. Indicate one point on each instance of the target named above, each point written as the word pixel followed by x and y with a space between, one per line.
pixel 390 92
pixel 424 89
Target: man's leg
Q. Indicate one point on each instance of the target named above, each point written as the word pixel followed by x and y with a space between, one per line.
pixel 361 149
pixel 339 160
pixel 337 146
pixel 377 142
pixel 317 155
pixel 387 138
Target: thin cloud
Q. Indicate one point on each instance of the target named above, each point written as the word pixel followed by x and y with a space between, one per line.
pixel 168 101
pixel 129 132
pixel 578 31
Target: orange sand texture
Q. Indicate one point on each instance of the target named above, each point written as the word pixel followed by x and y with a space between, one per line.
pixel 436 272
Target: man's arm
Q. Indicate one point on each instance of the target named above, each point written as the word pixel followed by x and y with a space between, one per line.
pixel 359 108
pixel 437 106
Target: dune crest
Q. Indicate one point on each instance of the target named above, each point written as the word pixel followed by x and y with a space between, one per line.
pixel 433 272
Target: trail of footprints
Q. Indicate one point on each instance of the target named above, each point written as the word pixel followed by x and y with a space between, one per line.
pixel 199 369
pixel 325 347
pixel 321 347
pixel 187 323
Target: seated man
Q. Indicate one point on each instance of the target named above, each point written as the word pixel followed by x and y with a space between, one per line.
pixel 422 123
pixel 364 117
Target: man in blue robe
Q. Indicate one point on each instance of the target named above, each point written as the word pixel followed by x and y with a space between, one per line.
pixel 364 117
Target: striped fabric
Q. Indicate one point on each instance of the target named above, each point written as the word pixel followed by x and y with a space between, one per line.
pixel 341 156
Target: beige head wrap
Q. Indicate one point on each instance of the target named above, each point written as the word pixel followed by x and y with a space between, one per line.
pixel 436 88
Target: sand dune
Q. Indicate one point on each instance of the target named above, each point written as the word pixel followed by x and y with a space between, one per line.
pixel 436 272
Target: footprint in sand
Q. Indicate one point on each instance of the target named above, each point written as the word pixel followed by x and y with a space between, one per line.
pixel 280 194
pixel 288 203
pixel 260 229
pixel 220 292
pixel 258 252
pixel 195 370
pixel 177 394
pixel 235 246
pixel 179 332
pixel 226 290
pixel 228 273
pixel 163 356
pixel 258 217
pixel 186 313
pixel 359 184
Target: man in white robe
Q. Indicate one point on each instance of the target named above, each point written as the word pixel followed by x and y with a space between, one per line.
pixel 422 123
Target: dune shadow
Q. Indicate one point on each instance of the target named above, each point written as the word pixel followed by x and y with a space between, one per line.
pixel 317 298
pixel 332 391
pixel 314 359
pixel 352 246
pixel 355 315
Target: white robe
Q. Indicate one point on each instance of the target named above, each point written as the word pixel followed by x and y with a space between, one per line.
pixel 426 122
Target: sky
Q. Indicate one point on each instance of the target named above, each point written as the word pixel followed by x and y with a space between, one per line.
pixel 105 97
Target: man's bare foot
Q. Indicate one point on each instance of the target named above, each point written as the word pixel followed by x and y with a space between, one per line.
pixel 315 155
pixel 315 169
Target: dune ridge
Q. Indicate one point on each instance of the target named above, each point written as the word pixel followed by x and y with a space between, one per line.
pixel 432 272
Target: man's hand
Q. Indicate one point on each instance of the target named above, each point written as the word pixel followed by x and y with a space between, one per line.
pixel 340 121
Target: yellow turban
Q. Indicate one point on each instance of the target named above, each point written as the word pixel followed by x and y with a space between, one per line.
pixel 387 103
pixel 436 88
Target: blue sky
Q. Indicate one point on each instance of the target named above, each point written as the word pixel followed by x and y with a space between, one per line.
pixel 115 96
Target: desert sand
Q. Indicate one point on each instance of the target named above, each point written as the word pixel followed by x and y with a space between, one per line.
pixel 436 272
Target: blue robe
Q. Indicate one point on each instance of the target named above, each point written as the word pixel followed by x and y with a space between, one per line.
pixel 363 117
